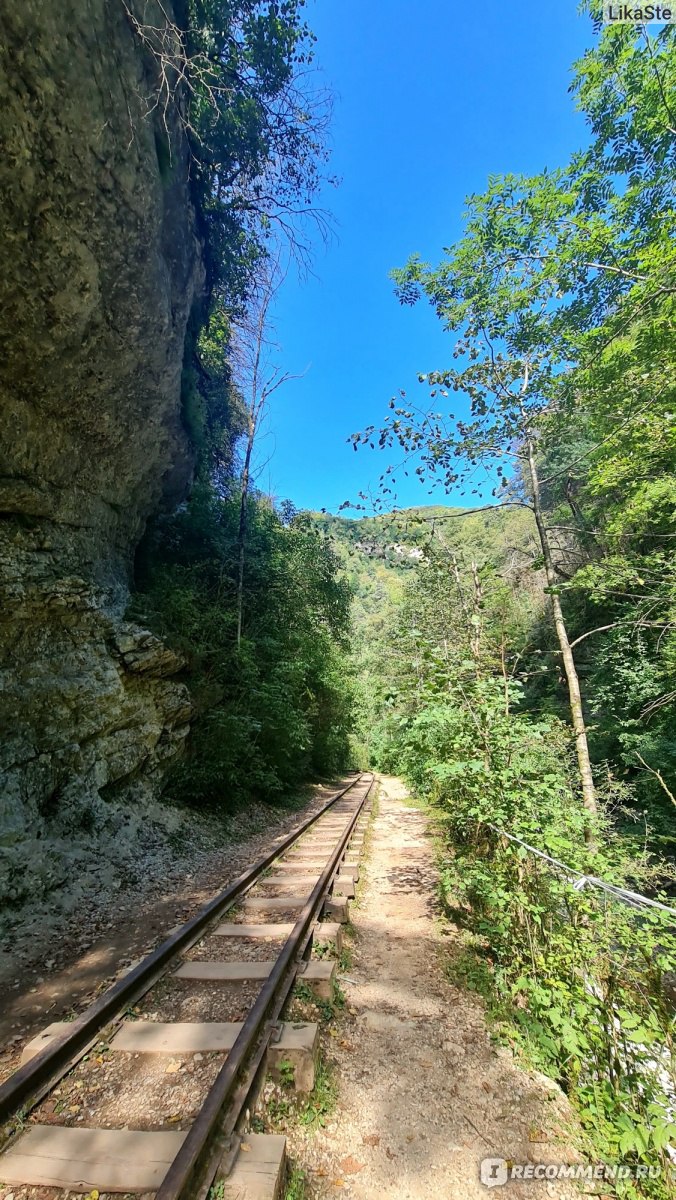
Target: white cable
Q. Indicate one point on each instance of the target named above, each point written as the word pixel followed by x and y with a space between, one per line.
pixel 635 899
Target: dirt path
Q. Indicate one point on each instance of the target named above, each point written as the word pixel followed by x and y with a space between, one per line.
pixel 423 1095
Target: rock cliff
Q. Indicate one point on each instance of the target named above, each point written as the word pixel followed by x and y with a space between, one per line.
pixel 101 269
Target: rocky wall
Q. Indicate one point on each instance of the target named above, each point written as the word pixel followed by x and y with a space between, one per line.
pixel 101 267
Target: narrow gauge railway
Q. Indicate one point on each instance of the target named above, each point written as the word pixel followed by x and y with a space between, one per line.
pixel 229 970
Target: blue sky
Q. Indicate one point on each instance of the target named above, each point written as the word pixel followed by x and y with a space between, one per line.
pixel 430 98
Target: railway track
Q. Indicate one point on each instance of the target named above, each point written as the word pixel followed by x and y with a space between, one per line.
pixel 230 970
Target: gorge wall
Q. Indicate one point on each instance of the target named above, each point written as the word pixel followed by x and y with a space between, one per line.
pixel 102 266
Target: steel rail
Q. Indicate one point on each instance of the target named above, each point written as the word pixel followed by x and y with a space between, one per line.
pixel 25 1086
pixel 218 1117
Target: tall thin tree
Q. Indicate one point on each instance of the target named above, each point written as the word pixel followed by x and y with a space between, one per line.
pixel 257 376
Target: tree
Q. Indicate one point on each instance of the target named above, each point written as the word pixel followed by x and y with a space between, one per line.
pixel 504 310
pixel 277 708
pixel 257 378
pixel 233 82
pixel 551 272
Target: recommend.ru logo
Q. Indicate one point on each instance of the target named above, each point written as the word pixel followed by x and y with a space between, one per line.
pixel 497 1171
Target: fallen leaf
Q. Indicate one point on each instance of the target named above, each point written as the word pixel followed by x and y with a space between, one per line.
pixel 339 1183
pixel 171 1068
pixel 245 1146
pixel 486 1087
pixel 350 1166
pixel 73 1108
pixel 371 1139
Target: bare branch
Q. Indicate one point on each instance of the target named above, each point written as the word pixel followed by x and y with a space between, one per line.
pixel 658 776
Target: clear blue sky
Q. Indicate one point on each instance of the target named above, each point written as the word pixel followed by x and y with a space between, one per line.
pixel 431 96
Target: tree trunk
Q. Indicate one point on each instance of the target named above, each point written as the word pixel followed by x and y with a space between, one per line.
pixel 503 666
pixel 575 696
pixel 241 533
pixel 473 627
pixel 257 378
pixel 475 639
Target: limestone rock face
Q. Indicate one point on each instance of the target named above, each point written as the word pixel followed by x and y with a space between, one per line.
pixel 101 268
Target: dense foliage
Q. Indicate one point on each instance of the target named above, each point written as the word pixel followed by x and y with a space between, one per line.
pixel 275 709
pixel 580 983
pixel 560 297
pixel 256 124
pixel 561 293
pixel 248 594
pixel 231 89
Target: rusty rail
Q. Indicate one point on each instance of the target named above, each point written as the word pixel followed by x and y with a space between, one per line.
pixel 195 1166
pixel 30 1082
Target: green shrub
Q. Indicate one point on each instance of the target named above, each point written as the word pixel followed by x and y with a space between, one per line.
pixel 276 709
pixel 578 980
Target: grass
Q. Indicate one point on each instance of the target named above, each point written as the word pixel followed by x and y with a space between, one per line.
pixel 283 1107
pixel 322 1099
pixel 415 802
pixel 322 949
pixel 311 1111
pixel 346 959
pixel 287 1073
pixel 296 1184
pixel 364 857
pixel 279 1109
pixel 467 969
pixel 302 991
pixel 326 1009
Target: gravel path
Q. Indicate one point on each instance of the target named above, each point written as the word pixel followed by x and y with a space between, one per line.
pixel 423 1095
